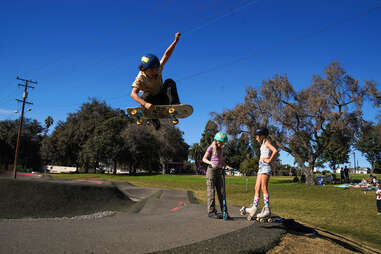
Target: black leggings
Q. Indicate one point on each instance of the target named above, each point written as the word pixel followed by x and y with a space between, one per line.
pixel 167 95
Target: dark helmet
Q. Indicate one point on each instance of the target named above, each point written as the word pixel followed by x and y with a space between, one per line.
pixel 262 131
pixel 149 61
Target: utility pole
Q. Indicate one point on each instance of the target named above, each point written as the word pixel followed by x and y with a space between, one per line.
pixel 25 95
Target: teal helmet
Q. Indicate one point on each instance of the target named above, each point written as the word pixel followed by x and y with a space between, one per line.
pixel 220 136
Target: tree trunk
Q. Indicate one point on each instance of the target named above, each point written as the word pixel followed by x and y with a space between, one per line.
pixel 114 169
pixel 309 173
pixel 163 169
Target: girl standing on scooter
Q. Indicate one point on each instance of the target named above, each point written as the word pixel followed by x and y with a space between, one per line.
pixel 215 175
pixel 268 153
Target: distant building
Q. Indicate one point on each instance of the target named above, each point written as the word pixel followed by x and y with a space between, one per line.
pixel 359 170
pixel 60 169
pixel 233 173
pixel 354 170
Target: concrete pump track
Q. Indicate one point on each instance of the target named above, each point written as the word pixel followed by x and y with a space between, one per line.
pixel 42 215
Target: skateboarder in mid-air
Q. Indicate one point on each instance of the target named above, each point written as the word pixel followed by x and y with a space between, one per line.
pixel 149 81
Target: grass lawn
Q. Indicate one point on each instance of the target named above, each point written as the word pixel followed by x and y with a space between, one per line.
pixel 348 212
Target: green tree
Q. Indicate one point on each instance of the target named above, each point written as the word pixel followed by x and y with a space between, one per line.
pixel 299 119
pixel 29 153
pixel 237 150
pixel 207 136
pixel 8 135
pixel 69 137
pixel 106 145
pixel 249 165
pixel 172 145
pixel 369 143
pixel 48 122
pixel 143 148
pixel 338 147
pixel 196 153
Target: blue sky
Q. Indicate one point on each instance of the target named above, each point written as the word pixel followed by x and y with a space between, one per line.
pixel 81 49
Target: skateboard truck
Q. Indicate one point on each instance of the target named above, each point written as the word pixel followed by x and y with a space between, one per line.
pixel 172 112
pixel 138 114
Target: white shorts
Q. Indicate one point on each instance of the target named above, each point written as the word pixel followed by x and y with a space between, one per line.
pixel 264 168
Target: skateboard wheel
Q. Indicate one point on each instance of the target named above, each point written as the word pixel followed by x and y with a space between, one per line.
pixel 261 220
pixel 175 121
pixel 249 218
pixel 269 220
pixel 139 122
pixel 134 112
pixel 171 110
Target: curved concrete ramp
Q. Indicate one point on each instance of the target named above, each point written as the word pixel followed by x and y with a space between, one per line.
pixel 166 222
pixel 42 199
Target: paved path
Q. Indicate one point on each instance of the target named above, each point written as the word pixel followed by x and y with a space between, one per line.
pixel 167 222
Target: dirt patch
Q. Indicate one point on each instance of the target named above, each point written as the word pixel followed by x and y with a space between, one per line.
pixel 305 239
pixel 44 199
pixel 292 243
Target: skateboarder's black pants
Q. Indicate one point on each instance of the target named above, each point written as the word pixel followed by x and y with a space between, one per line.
pixel 215 180
pixel 167 95
pixel 379 206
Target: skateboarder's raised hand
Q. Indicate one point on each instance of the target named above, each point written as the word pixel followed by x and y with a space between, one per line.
pixel 168 52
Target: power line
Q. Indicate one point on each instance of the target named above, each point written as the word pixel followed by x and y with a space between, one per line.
pixel 231 8
pixel 290 42
pixel 162 27
pixel 160 5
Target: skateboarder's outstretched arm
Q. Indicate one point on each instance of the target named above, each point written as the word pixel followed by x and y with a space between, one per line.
pixel 169 51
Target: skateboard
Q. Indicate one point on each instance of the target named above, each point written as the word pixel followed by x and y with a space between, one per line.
pixel 172 112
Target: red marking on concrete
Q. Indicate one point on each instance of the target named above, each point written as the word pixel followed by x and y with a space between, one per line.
pixel 29 174
pixel 22 174
pixel 91 181
pixel 181 203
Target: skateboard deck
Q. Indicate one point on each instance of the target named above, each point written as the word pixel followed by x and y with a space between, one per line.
pixel 172 112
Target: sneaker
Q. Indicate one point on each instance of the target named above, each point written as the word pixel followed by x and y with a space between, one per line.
pixel 156 123
pixel 214 215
